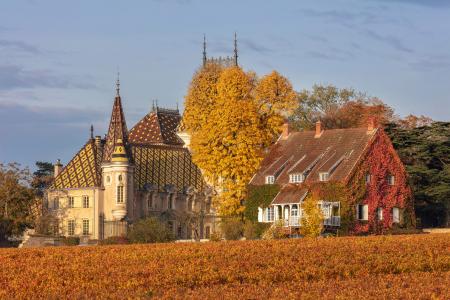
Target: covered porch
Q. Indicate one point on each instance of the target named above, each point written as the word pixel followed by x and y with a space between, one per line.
pixel 291 213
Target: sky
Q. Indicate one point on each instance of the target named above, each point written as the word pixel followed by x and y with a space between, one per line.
pixel 59 59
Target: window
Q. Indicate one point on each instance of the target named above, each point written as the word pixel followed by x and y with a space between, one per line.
pixel 71 227
pixel 207 232
pixel 170 204
pixel 179 231
pixel 296 178
pixel 368 178
pixel 270 179
pixel 380 213
pixel 108 180
pixel 55 203
pixel 270 213
pixel 85 201
pixel 294 211
pixel 396 215
pixel 323 176
pixel 120 194
pixel 391 180
pixel 85 227
pixel 150 201
pixel 120 178
pixel 362 212
pixel 71 202
pixel 208 205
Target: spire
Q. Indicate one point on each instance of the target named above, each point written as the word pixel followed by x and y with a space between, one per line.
pixel 92 131
pixel 118 85
pixel 235 50
pixel 117 128
pixel 204 49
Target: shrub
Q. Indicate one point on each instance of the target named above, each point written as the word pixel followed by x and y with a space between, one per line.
pixel 115 240
pixel 254 230
pixel 274 232
pixel 70 241
pixel 215 237
pixel 232 228
pixel 312 222
pixel 149 230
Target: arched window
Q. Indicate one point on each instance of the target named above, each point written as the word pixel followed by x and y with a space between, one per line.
pixel 120 178
pixel 120 194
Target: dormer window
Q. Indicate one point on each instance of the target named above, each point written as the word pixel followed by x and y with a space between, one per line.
pixel 270 179
pixel 296 178
pixel 391 179
pixel 323 176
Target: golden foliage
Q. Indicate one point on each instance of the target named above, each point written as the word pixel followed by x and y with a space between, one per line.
pixel 201 97
pixel 385 267
pixel 312 221
pixel 231 117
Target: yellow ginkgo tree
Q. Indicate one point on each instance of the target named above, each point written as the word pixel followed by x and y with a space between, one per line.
pixel 232 116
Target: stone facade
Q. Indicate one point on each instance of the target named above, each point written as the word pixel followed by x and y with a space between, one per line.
pixel 147 171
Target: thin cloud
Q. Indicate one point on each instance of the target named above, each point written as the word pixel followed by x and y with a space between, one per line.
pixel 429 3
pixel 255 47
pixel 14 77
pixel 390 40
pixel 334 54
pixel 19 46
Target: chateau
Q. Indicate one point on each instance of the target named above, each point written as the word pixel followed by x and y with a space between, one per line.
pixel 355 175
pixel 146 171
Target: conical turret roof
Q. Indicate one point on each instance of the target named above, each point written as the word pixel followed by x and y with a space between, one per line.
pixel 117 131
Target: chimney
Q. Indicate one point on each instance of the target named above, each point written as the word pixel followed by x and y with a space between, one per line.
pixel 286 130
pixel 371 124
pixel 57 168
pixel 319 130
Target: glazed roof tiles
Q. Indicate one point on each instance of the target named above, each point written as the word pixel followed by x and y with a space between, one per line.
pixel 117 129
pixel 82 171
pixel 157 127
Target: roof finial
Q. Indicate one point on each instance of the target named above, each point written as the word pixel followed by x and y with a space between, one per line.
pixel 153 105
pixel 204 49
pixel 235 50
pixel 177 104
pixel 118 85
pixel 92 131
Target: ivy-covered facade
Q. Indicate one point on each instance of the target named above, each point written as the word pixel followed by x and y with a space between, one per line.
pixel 355 175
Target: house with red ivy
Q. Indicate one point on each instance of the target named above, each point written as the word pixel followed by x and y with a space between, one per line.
pixel 354 174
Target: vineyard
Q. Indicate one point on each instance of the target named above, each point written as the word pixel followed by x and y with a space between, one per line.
pixel 406 267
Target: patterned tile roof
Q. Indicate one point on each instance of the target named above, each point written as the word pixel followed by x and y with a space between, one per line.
pixel 165 165
pixel 336 152
pixel 82 171
pixel 117 130
pixel 157 127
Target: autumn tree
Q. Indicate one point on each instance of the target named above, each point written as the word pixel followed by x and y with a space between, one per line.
pixel 312 221
pixel 16 199
pixel 201 97
pixel 338 108
pixel 243 115
pixel 276 100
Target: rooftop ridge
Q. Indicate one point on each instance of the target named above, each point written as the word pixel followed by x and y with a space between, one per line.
pixel 168 110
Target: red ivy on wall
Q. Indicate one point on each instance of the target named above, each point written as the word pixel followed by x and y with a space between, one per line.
pixel 381 161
